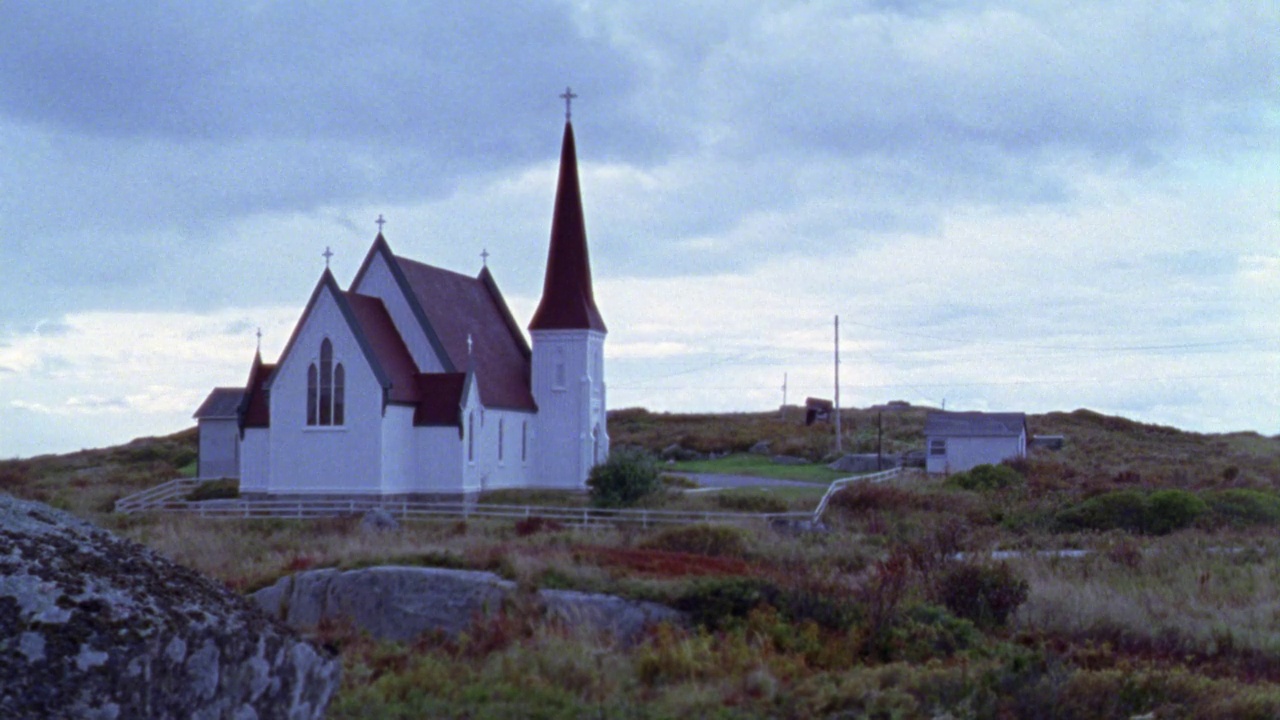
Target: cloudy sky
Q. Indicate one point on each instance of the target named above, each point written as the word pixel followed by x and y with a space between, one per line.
pixel 1011 206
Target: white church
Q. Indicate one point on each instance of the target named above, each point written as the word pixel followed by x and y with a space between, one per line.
pixel 417 381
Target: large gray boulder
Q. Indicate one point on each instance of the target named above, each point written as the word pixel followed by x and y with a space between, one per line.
pixel 401 603
pixel 95 626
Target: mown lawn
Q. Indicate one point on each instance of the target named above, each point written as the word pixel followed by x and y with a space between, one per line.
pixel 759 466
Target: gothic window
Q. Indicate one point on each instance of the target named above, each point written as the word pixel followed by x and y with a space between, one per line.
pixel 524 441
pixel 501 429
pixel 311 394
pixel 326 382
pixel 339 395
pixel 326 389
pixel 471 436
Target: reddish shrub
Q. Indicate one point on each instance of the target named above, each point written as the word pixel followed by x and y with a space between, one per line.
pixel 534 525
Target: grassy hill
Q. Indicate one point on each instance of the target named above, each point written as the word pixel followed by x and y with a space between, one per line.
pixel 1164 606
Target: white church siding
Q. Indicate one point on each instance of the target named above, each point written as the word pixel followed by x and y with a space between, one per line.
pixel 255 461
pixel 440 460
pixel 498 449
pixel 338 459
pixel 219 448
pixel 399 452
pixel 570 406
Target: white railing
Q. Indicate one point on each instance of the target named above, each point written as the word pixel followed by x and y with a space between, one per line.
pixel 302 508
pixel 840 484
pixel 157 496
pixel 170 496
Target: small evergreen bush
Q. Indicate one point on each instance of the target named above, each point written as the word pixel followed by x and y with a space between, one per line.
pixel 626 478
pixel 1158 513
pixel 986 595
pixel 1169 510
pixel 1120 510
pixel 988 477
pixel 225 489
pixel 1239 507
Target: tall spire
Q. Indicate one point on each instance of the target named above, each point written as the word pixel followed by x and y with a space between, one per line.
pixel 568 302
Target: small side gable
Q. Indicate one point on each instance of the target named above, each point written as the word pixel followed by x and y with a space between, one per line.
pixel 381 252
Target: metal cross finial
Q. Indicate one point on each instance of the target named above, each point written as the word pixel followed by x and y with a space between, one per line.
pixel 484 257
pixel 380 223
pixel 259 339
pixel 327 254
pixel 468 344
pixel 568 95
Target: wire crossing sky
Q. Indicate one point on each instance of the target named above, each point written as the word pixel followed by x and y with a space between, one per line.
pixel 1011 206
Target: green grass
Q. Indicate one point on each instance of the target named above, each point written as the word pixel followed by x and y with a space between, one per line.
pixel 759 466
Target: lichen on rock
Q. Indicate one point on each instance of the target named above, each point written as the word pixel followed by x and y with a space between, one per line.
pixel 92 625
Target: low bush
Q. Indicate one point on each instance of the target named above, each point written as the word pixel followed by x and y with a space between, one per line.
pixel 987 477
pixel 627 477
pixel 1158 513
pixel 712 540
pixel 724 603
pixel 1240 508
pixel 225 489
pixel 752 502
pixel 986 595
pixel 1169 510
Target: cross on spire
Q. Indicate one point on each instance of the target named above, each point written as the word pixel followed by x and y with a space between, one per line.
pixel 568 95
pixel 259 334
pixel 484 257
pixel 380 223
pixel 327 254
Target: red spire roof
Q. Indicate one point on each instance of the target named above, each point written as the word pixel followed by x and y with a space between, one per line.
pixel 567 300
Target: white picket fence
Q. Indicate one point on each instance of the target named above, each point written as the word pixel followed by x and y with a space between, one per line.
pixel 171 497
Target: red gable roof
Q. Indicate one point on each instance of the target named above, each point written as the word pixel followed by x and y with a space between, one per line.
pixel 568 302
pixel 386 344
pixel 456 306
pixel 441 399
pixel 254 410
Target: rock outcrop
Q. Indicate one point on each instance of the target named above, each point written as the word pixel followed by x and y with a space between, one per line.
pixel 401 603
pixel 95 626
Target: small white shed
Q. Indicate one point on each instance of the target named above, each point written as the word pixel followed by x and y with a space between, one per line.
pixel 958 441
pixel 219 428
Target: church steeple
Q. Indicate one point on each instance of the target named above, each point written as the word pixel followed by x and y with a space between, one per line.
pixel 568 302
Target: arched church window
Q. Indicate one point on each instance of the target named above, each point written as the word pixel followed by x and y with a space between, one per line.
pixel 524 441
pixel 502 425
pixel 312 385
pixel 326 382
pixel 471 436
pixel 595 446
pixel 339 395
pixel 326 389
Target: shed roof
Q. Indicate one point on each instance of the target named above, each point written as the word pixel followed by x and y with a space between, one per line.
pixel 222 404
pixel 974 424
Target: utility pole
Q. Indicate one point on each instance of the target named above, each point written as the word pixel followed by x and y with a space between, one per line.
pixel 783 413
pixel 839 447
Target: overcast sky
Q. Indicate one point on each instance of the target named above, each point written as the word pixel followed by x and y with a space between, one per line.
pixel 1011 206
